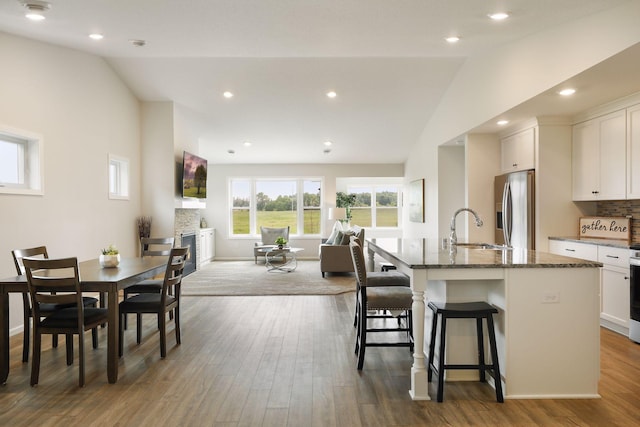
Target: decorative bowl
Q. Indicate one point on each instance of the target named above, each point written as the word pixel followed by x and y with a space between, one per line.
pixel 109 261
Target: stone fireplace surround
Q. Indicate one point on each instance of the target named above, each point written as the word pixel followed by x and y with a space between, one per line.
pixel 187 221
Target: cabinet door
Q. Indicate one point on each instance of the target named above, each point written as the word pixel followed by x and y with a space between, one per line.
pixel 613 149
pixel 585 160
pixel 615 295
pixel 633 152
pixel 518 151
pixel 207 245
pixel 203 246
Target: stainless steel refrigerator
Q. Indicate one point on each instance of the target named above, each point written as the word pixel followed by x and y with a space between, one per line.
pixel 515 209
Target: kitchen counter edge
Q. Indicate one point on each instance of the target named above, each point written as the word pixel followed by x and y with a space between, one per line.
pixel 621 244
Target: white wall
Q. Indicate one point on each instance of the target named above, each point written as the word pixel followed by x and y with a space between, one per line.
pixel 483 164
pixel 158 166
pixel 488 85
pixel 217 210
pixel 452 179
pixel 556 214
pixel 84 112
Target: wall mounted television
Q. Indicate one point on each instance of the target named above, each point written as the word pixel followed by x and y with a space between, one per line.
pixel 194 176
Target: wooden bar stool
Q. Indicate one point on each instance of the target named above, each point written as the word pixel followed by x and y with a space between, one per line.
pixel 465 310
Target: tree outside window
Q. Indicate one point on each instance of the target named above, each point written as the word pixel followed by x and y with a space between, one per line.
pixel 276 203
pixel 375 206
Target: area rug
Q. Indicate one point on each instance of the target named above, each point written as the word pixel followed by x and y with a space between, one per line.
pixel 235 278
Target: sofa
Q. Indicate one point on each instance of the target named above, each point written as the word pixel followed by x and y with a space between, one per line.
pixel 335 256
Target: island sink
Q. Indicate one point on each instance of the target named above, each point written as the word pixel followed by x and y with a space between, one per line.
pixel 490 246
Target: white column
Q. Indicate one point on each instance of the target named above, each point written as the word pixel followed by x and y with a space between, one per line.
pixel 419 385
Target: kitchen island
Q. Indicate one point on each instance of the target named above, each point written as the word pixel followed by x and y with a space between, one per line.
pixel 547 328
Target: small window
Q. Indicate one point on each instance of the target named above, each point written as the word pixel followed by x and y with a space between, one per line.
pixel 20 162
pixel 118 178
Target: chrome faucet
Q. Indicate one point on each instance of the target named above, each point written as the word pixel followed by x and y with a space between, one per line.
pixel 453 238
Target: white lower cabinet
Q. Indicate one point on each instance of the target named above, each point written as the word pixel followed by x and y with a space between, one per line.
pixel 207 244
pixel 615 294
pixel 614 283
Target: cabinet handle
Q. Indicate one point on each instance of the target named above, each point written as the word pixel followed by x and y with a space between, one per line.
pixel 611 256
pixel 626 278
pixel 515 165
pixel 570 250
pixel 595 192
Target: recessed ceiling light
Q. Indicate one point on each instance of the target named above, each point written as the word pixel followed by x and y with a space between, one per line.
pixel 332 94
pixel 567 92
pixel 96 36
pixel 453 39
pixel 36 9
pixel 227 94
pixel 502 122
pixel 247 144
pixel 328 143
pixel 498 16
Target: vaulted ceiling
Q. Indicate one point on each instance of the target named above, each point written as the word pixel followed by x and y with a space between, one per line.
pixel 386 60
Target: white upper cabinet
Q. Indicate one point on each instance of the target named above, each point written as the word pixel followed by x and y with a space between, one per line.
pixel 633 152
pixel 599 158
pixel 518 151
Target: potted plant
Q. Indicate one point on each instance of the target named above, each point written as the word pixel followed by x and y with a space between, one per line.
pixel 344 200
pixel 110 257
pixel 281 241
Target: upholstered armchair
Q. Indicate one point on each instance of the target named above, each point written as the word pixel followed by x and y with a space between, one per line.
pixel 269 236
pixel 335 257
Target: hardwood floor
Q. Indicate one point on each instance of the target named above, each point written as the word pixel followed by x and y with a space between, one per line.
pixel 278 361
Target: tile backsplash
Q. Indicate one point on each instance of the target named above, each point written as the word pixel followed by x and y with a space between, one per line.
pixel 623 208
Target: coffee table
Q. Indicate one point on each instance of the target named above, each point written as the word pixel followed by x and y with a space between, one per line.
pixel 287 254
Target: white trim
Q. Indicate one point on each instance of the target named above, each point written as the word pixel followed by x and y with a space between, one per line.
pixel 33 162
pixel 121 176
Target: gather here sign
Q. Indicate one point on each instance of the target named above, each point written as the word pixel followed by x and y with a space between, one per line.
pixel 617 228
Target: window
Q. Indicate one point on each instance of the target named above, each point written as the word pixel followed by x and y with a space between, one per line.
pixel 258 202
pixel 118 178
pixel 240 207
pixel 385 200
pixel 21 162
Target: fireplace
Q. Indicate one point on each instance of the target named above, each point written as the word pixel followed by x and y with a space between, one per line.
pixel 189 240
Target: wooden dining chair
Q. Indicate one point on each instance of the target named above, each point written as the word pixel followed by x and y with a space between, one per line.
pixel 167 301
pixel 150 246
pixel 45 309
pixel 60 276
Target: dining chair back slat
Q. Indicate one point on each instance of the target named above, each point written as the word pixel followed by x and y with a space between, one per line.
pixel 18 255
pixel 156 246
pixel 57 282
pixel 165 301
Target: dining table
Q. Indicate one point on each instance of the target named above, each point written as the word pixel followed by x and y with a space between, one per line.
pixel 93 278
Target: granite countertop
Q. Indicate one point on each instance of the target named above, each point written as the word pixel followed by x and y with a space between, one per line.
pixel 427 253
pixel 623 244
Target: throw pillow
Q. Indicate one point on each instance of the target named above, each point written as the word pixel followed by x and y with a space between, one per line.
pixel 338 239
pixel 332 237
pixel 346 237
